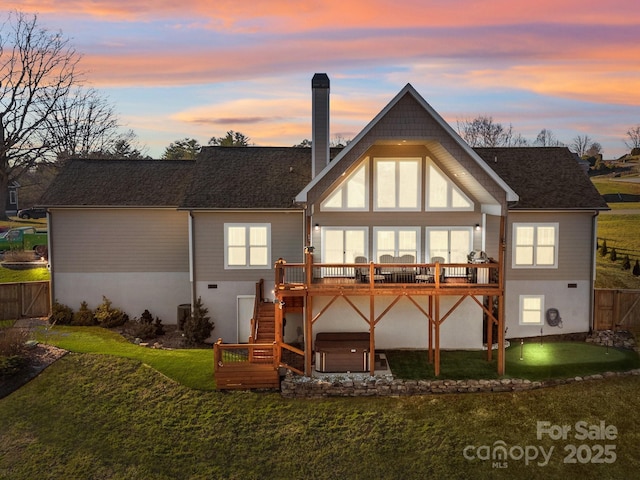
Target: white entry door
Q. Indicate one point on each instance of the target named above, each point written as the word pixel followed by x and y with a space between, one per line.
pixel 245 312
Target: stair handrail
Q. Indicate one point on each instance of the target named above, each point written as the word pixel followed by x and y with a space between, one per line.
pixel 259 298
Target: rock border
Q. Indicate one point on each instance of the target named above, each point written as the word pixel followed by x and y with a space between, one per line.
pixel 293 386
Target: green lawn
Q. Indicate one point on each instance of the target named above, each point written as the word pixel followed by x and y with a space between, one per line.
pixel 621 232
pixel 552 360
pixel 8 275
pixel 191 367
pixel 93 416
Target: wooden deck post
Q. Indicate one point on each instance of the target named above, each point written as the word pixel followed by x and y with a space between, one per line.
pixel 372 328
pixel 501 333
pixel 308 314
pixel 490 330
pixel 279 314
pixel 430 322
pixel 436 322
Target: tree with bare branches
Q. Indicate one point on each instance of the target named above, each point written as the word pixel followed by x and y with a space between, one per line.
pixel 633 138
pixel 38 69
pixel 581 144
pixel 482 131
pixel 546 138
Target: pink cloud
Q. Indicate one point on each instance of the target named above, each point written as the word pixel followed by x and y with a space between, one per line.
pixel 304 16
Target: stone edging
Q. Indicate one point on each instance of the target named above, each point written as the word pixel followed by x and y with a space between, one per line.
pixel 293 386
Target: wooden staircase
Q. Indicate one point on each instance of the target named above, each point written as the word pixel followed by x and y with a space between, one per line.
pixel 257 364
pixel 266 323
pixel 265 331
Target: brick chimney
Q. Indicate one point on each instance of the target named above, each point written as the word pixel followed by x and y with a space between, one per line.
pixel 319 123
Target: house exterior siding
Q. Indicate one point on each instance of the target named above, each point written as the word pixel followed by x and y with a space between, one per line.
pixel 120 240
pixel 287 241
pixel 138 258
pixel 568 288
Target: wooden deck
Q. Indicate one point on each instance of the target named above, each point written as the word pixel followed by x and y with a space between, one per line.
pixel 257 365
pixel 388 279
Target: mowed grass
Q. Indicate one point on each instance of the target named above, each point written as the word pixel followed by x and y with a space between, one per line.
pixel 191 367
pixel 621 232
pixel 93 416
pixel 8 275
pixel 549 361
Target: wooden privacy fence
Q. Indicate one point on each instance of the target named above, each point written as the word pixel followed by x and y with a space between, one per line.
pixel 617 310
pixel 27 299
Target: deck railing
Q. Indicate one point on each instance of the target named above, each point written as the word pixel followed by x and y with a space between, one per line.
pixel 230 355
pixel 382 275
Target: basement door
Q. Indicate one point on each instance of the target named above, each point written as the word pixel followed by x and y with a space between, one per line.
pixel 245 312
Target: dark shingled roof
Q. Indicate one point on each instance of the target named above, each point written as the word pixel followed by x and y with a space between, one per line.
pixel 126 182
pixel 249 177
pixel 547 178
pixel 271 177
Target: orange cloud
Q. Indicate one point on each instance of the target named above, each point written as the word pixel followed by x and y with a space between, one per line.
pixel 335 14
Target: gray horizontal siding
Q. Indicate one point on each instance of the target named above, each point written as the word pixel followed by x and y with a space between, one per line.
pixel 287 241
pixel 119 240
pixel 574 254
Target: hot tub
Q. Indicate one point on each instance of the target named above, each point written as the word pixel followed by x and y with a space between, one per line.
pixel 342 352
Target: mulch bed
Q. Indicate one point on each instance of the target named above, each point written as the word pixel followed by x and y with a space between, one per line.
pixel 38 357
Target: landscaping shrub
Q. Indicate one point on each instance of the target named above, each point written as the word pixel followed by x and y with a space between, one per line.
pixel 83 317
pixel 146 327
pixel 603 249
pixel 12 341
pixel 198 326
pixel 636 269
pixel 61 314
pixel 626 265
pixel 614 255
pixel 11 365
pixel 109 317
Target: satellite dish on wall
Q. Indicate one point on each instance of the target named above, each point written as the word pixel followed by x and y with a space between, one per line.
pixel 553 318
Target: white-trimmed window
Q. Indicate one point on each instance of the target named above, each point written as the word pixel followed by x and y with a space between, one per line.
pixel 531 309
pixel 344 244
pixel 535 245
pixel 352 194
pixel 397 184
pixel 396 241
pixel 442 193
pixel 451 243
pixel 247 245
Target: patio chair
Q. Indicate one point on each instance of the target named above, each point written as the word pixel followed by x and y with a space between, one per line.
pixel 427 275
pixel 362 273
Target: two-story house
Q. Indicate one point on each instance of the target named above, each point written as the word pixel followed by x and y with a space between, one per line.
pixel 407 234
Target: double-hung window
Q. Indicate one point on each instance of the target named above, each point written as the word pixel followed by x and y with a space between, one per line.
pixel 535 245
pixel 247 245
pixel 531 309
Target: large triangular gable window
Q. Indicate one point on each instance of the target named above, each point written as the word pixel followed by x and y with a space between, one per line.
pixel 442 193
pixel 352 194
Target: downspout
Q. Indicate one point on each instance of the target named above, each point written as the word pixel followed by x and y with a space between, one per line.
pixel 594 247
pixel 49 260
pixel 192 260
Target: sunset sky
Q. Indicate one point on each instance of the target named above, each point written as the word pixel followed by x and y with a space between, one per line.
pixel 197 68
